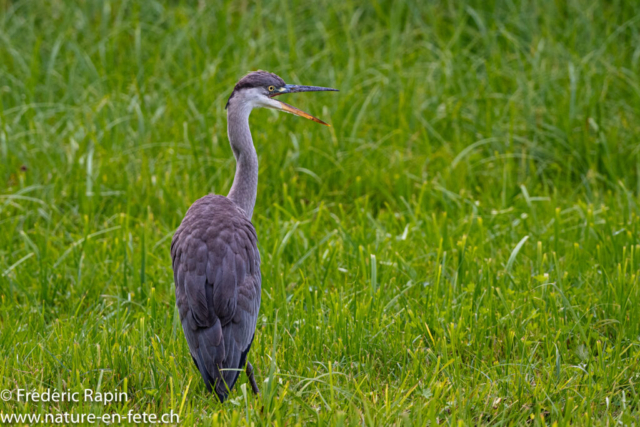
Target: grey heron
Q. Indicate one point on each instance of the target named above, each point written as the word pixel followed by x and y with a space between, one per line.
pixel 214 252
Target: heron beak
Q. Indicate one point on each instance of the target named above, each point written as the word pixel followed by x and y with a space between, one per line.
pixel 293 110
pixel 300 88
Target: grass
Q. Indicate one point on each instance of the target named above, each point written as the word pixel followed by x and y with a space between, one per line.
pixel 462 247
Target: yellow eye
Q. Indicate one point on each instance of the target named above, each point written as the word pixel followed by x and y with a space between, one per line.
pixel 271 88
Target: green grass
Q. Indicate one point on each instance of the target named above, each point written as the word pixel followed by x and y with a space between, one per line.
pixel 462 247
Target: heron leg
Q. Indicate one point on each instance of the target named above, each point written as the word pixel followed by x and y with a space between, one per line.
pixel 252 380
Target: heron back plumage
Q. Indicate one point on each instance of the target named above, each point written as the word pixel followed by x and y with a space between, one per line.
pixel 216 268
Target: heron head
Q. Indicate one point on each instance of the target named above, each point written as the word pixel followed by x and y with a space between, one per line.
pixel 259 88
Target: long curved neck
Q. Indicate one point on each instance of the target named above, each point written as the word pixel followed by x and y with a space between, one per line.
pixel 245 182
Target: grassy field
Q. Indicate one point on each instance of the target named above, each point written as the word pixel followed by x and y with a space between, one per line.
pixel 462 247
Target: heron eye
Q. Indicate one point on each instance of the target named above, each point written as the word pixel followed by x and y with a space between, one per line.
pixel 271 88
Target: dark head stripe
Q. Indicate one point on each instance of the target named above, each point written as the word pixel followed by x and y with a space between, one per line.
pixel 256 79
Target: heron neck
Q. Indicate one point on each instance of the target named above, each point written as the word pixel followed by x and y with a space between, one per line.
pixel 245 182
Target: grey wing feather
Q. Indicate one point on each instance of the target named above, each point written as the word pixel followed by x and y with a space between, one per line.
pixel 216 267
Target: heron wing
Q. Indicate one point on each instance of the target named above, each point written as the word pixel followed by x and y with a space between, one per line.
pixel 216 267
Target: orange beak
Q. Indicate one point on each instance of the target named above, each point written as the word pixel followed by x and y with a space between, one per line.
pixel 293 110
